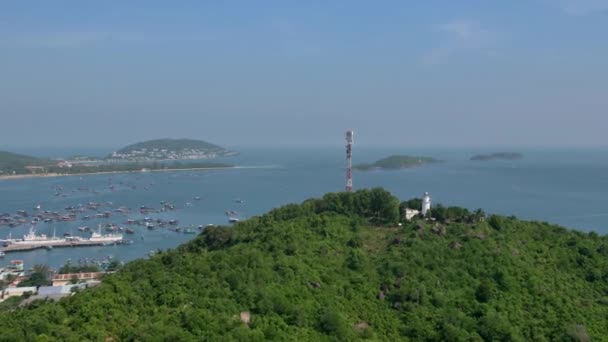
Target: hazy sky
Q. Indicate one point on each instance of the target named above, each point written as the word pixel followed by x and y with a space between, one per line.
pixel 512 72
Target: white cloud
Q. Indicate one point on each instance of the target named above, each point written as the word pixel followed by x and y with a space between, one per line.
pixel 459 36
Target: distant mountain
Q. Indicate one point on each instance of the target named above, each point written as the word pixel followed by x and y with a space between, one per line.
pixel 497 156
pixel 396 162
pixel 170 149
pixel 10 162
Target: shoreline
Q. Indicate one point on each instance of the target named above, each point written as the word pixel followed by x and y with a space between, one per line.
pixel 50 175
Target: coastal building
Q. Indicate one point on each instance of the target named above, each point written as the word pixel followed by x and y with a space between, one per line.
pixel 35 169
pixel 64 163
pixel 410 213
pixel 58 292
pixel 426 203
pixel 14 270
pixel 65 279
pixel 16 265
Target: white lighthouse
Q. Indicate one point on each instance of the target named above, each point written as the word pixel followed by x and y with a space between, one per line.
pixel 426 203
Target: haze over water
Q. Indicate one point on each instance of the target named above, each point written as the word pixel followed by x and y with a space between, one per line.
pixel 562 186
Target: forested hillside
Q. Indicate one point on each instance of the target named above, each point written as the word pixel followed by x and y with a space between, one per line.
pixel 13 162
pixel 340 268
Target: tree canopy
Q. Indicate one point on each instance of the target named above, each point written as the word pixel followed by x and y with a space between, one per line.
pixel 340 268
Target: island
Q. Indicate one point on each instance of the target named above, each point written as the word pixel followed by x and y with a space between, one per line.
pixel 13 166
pixel 396 162
pixel 169 149
pixel 497 156
pixel 344 267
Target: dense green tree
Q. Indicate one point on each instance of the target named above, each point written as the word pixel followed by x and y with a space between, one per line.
pixel 38 277
pixel 338 269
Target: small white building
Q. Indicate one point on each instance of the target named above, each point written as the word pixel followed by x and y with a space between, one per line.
pixel 411 213
pixel 64 163
pixel 426 203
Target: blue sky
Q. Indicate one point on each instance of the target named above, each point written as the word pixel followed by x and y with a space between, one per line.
pixel 439 73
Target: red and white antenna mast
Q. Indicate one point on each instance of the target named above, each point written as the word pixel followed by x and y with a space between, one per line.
pixel 349 160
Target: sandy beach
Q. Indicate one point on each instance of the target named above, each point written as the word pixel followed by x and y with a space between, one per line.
pixel 45 175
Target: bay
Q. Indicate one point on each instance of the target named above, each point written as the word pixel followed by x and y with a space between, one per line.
pixel 562 186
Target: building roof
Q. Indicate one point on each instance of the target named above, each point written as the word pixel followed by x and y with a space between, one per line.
pixel 9 290
pixel 50 290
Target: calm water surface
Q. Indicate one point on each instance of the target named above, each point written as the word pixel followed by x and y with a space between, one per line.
pixel 567 187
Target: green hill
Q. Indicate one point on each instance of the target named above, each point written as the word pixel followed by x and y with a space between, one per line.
pixel 397 162
pixel 339 268
pixel 170 149
pixel 10 162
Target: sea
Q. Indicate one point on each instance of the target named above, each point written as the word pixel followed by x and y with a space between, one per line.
pixel 562 186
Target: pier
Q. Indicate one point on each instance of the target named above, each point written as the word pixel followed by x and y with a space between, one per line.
pixel 62 244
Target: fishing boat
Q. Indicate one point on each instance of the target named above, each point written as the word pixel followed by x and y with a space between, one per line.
pixel 108 238
pixel 33 239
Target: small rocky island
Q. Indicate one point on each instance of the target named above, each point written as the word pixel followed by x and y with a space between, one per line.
pixel 170 149
pixel 497 156
pixel 396 162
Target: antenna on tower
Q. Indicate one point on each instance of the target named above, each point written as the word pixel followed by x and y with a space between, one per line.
pixel 349 157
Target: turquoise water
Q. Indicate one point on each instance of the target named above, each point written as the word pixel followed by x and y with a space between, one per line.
pixel 566 187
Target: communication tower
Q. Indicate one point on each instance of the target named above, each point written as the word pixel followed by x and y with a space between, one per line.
pixel 349 165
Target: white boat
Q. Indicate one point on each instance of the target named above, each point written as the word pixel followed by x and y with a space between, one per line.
pixel 109 238
pixel 233 219
pixel 33 239
pixel 96 237
pixel 2 254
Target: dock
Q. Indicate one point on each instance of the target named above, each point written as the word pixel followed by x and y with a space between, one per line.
pixel 21 248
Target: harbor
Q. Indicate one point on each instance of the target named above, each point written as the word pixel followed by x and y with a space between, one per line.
pixel 211 197
pixel 66 243
pixel 32 241
pixel 140 212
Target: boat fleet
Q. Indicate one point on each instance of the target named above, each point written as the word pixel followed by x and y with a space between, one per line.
pixel 33 239
pixel 91 211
